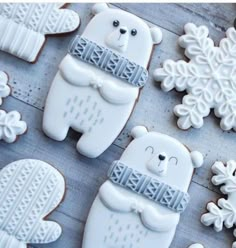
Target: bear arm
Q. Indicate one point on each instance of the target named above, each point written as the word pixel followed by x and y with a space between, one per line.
pixel 73 73
pixel 159 222
pixel 113 199
pixel 116 94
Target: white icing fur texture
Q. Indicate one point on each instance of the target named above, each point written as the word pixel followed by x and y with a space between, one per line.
pixel 209 78
pixel 224 212
pixel 121 218
pixel 29 191
pixel 4 88
pixel 24 26
pixel 89 100
pixel 11 126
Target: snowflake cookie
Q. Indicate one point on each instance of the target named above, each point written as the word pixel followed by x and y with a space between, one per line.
pixel 209 78
pixel 224 213
pixel 4 88
pixel 11 126
pixel 24 26
pixel 29 191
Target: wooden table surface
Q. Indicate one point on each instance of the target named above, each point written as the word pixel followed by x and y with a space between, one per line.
pixel 31 82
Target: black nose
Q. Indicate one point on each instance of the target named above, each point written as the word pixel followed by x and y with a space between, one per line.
pixel 162 157
pixel 123 31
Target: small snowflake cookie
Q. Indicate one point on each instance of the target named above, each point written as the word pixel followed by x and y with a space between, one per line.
pixel 24 26
pixel 11 126
pixel 29 191
pixel 145 193
pixel 4 87
pixel 224 213
pixel 209 78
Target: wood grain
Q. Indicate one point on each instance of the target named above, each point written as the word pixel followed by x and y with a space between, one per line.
pixel 30 84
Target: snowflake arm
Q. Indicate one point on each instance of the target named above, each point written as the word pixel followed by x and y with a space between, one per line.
pixel 11 126
pixel 4 88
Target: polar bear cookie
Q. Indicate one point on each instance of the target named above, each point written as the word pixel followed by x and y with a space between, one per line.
pixel 98 82
pixel 29 191
pixel 24 26
pixel 146 191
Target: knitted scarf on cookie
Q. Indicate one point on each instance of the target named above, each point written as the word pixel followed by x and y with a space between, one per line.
pixel 108 61
pixel 148 187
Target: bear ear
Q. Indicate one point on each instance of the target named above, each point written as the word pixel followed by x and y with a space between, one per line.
pixel 99 7
pixel 156 35
pixel 197 159
pixel 138 131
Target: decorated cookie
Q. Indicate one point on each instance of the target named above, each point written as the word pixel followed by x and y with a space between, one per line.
pixel 196 246
pixel 146 191
pixel 24 26
pixel 98 82
pixel 4 87
pixel 11 126
pixel 29 191
pixel 223 213
pixel 209 78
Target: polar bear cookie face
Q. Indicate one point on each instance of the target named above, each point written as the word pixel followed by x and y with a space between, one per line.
pixel 122 32
pixel 161 157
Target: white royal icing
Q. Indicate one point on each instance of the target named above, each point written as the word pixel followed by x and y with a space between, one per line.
pixel 121 216
pixel 208 78
pixel 196 246
pixel 24 26
pixel 11 126
pixel 90 100
pixel 4 88
pixel 29 191
pixel 224 212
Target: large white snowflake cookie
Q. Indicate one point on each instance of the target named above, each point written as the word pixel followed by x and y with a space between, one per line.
pixel 223 213
pixel 11 126
pixel 29 191
pixel 24 26
pixel 208 78
pixel 4 87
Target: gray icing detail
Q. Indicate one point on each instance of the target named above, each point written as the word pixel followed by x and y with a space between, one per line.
pixel 148 187
pixel 106 60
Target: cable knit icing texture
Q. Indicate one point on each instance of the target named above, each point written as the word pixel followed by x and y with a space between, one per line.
pixel 29 191
pixel 24 26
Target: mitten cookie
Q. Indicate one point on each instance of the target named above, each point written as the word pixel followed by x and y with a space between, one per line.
pixel 146 191
pixel 209 78
pixel 99 80
pixel 11 126
pixel 4 87
pixel 24 26
pixel 224 213
pixel 29 191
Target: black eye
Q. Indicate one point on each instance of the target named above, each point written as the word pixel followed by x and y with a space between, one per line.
pixel 116 23
pixel 133 32
pixel 150 149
